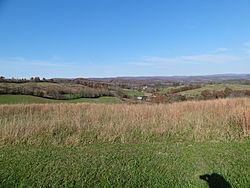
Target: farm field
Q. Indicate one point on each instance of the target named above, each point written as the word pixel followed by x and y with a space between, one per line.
pixel 106 145
pixel 133 93
pixel 215 87
pixel 211 87
pixel 26 99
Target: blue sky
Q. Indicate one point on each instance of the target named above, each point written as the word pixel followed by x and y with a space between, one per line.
pixel 103 38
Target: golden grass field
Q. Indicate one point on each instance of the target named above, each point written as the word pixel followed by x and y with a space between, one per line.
pixel 74 124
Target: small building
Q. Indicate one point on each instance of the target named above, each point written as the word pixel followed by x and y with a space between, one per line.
pixel 139 98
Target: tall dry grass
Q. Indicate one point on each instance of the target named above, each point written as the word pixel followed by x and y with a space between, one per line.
pixel 224 119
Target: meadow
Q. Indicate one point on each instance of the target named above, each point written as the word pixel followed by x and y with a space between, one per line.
pixel 196 92
pixel 28 99
pixel 123 145
pixel 215 87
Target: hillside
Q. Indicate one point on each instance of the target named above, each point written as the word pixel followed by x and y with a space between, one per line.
pixel 130 91
pixel 57 90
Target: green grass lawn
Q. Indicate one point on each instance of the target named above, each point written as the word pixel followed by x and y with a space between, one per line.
pixel 134 93
pixel 26 99
pixel 124 165
pixel 97 100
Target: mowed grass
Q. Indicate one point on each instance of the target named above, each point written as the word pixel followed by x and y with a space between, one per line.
pixel 26 99
pixel 106 145
pixel 124 165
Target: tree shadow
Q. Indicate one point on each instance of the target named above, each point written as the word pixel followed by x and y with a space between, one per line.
pixel 215 181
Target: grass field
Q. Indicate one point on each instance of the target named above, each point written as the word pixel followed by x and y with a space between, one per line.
pixel 105 145
pixel 124 165
pixel 26 99
pixel 134 93
pixel 214 87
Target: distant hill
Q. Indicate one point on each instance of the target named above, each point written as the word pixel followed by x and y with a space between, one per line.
pixel 214 78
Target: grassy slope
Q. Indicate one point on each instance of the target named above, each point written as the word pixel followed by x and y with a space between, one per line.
pixel 217 87
pixel 122 165
pixel 26 99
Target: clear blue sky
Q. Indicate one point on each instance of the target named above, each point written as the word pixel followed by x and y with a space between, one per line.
pixel 101 38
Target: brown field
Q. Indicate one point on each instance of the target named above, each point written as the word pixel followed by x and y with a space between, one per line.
pixel 75 124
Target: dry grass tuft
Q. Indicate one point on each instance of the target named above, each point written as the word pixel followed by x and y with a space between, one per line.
pixel 74 124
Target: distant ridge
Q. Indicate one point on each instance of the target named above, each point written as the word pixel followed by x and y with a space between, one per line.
pixel 215 77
